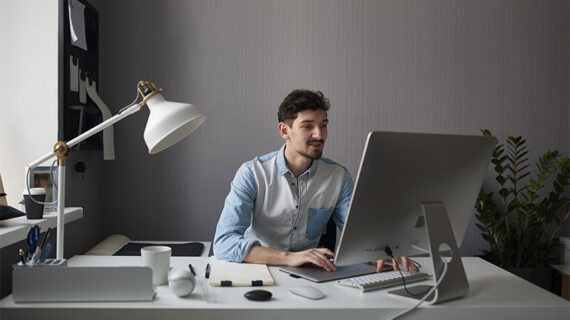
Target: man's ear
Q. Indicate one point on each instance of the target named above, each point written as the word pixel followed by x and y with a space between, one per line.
pixel 283 130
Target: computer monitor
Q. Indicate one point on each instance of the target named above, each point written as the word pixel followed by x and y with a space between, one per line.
pixel 415 190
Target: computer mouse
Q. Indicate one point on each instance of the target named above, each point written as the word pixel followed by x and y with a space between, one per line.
pixel 307 292
pixel 258 295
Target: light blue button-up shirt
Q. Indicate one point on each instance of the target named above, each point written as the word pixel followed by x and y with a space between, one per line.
pixel 268 206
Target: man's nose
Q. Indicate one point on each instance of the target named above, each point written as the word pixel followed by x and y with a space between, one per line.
pixel 318 133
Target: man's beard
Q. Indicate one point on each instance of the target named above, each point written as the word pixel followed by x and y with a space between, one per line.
pixel 317 153
pixel 316 156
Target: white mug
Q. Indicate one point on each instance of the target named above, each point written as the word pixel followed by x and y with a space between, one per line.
pixel 158 259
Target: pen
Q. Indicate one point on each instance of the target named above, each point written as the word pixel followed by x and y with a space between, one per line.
pixel 43 245
pixel 191 269
pixel 207 275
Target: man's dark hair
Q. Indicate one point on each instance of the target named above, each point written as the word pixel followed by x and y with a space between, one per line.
pixel 299 100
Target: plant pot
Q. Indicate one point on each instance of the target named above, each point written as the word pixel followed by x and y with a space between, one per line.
pixel 543 277
pixel 557 256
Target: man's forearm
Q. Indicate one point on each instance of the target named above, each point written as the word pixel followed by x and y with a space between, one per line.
pixel 264 255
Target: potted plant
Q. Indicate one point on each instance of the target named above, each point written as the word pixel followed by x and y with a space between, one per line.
pixel 521 225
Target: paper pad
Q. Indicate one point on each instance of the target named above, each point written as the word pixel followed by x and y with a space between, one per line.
pixel 238 274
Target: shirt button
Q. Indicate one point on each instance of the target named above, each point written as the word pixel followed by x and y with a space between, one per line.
pixel 297 207
pixel 294 228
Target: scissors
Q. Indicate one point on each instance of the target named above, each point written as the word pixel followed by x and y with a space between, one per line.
pixel 32 240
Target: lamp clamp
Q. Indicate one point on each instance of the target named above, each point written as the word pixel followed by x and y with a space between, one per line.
pixel 147 89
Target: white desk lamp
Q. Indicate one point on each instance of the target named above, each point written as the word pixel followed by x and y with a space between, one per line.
pixel 168 123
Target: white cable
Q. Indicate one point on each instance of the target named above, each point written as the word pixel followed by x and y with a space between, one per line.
pixel 134 101
pixel 426 295
pixel 51 176
pixel 51 179
pixel 420 249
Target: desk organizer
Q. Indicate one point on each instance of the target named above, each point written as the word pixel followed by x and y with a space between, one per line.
pixel 72 284
pixel 47 263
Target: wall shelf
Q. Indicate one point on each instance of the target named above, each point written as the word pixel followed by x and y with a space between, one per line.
pixel 16 229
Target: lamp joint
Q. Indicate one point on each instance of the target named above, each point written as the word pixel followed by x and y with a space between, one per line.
pixel 60 149
pixel 147 89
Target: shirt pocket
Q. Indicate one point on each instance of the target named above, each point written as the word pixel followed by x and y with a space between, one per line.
pixel 316 222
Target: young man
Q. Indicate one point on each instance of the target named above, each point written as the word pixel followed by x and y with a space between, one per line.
pixel 280 203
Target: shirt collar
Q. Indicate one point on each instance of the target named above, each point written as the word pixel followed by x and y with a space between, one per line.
pixel 282 165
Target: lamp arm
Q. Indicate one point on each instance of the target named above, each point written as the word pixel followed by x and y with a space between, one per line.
pixel 98 128
pixel 59 150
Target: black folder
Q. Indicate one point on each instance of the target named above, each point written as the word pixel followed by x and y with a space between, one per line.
pixel 190 249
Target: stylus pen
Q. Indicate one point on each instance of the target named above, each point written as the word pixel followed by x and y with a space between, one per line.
pixel 207 275
pixel 45 253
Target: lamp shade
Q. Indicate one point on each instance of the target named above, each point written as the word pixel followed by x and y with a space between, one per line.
pixel 169 122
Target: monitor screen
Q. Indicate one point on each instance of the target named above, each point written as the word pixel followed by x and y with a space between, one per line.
pixel 398 173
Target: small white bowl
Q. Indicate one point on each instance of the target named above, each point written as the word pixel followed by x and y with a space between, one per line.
pixel 181 282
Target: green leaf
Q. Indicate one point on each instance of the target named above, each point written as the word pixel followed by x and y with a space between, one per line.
pixel 501 180
pixel 524 175
pixel 521 164
pixel 520 222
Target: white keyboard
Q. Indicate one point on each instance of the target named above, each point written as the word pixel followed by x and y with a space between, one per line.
pixel 381 280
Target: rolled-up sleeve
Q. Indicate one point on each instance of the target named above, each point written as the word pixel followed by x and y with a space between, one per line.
pixel 230 244
pixel 342 205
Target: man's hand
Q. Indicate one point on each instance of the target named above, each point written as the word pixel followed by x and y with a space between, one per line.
pixel 316 256
pixel 405 261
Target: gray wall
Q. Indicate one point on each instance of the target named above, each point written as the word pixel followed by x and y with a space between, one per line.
pixel 430 66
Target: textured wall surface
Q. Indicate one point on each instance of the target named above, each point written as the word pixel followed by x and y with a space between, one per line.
pixel 426 66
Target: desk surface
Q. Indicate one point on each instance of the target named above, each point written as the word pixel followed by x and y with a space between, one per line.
pixel 494 294
pixel 562 268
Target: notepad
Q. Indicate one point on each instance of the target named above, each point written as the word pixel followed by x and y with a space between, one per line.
pixel 228 274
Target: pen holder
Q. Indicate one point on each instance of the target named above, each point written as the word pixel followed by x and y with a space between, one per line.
pixel 46 263
pixel 53 281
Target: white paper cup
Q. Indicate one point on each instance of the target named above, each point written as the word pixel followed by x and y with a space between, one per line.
pixel 158 259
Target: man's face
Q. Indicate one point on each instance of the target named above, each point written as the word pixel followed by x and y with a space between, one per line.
pixel 308 133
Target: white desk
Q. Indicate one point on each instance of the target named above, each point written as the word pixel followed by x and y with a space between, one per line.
pixel 494 294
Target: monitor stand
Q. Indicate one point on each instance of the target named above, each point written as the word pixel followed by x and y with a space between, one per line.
pixel 454 285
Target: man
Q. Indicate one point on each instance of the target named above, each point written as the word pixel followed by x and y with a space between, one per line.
pixel 279 203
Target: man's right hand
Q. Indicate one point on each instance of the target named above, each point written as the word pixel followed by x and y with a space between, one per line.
pixel 316 256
